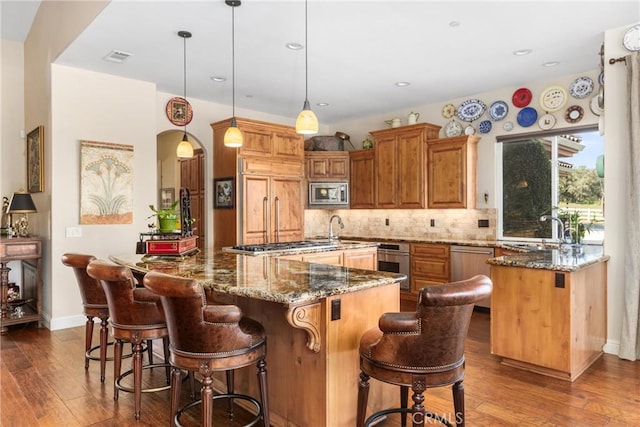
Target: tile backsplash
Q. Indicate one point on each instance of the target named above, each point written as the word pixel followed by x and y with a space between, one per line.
pixel 420 224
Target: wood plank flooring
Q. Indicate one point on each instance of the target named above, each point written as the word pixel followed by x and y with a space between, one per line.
pixel 44 383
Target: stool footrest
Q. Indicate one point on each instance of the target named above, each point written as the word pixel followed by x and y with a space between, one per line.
pixel 144 390
pixel 90 356
pixel 373 419
pixel 189 405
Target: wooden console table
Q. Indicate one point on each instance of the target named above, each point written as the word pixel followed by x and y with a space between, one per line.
pixel 29 251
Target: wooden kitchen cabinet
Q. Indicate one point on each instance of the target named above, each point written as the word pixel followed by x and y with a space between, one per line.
pixel 327 165
pixel 400 165
pixel 192 177
pixel 363 179
pixel 452 172
pixel 362 258
pixel 268 171
pixel 430 265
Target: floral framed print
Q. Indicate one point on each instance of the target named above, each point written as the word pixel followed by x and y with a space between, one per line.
pixel 35 160
pixel 224 193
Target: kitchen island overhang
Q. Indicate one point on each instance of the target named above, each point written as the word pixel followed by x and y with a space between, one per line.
pixel 314 316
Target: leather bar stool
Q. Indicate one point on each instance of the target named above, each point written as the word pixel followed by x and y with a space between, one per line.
pixel 421 350
pixel 136 315
pixel 209 338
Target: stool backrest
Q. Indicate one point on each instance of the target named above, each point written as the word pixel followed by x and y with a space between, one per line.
pixel 90 289
pixel 128 305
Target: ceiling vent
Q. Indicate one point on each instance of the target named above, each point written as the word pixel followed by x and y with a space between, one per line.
pixel 117 56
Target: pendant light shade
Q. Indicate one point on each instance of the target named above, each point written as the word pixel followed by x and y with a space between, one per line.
pixel 307 122
pixel 233 136
pixel 184 149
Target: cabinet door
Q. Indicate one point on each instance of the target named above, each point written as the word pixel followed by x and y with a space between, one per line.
pixel 331 257
pixel 288 146
pixel 256 141
pixel 362 187
pixel 387 172
pixel 411 170
pixel 366 259
pixel 339 167
pixel 286 204
pixel 256 209
pixel 317 168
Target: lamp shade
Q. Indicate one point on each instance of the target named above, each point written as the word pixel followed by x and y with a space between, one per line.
pixel 184 149
pixel 307 122
pixel 233 137
pixel 21 203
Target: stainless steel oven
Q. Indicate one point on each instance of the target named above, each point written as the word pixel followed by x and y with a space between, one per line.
pixel 395 258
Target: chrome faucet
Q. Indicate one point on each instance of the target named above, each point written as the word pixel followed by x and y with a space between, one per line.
pixel 555 218
pixel 332 236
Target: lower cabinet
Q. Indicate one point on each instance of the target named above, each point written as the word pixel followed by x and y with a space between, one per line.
pixel 430 265
pixel 363 258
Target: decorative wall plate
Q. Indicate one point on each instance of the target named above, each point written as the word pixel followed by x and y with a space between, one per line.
pixel 471 110
pixel 631 38
pixel 485 126
pixel 527 116
pixel 469 130
pixel 498 110
pixel 594 105
pixel 547 121
pixel 507 126
pixel 453 128
pixel 553 98
pixel 521 97
pixel 179 111
pixel 448 111
pixel 581 87
pixel 574 114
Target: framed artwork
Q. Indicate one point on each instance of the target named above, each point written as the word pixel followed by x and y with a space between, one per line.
pixel 167 197
pixel 224 192
pixel 179 111
pixel 35 160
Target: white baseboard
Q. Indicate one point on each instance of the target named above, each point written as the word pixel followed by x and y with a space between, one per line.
pixel 65 322
pixel 612 347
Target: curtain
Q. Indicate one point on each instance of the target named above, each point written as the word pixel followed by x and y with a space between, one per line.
pixel 630 339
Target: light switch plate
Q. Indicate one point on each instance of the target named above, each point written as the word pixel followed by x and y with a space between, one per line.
pixel 73 232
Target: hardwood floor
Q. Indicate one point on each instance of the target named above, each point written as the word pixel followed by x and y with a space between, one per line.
pixel 43 383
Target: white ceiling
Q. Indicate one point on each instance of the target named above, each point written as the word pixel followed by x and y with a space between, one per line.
pixel 357 50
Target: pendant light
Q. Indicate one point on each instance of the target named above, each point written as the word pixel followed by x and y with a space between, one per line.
pixel 307 122
pixel 233 136
pixel 185 149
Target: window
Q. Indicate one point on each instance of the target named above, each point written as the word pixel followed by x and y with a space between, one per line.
pixel 552 175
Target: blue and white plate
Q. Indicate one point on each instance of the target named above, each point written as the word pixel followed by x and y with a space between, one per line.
pixel 485 126
pixel 581 87
pixel 471 110
pixel 527 116
pixel 498 110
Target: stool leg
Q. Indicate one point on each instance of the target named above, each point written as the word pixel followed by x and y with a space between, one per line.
pixel 363 396
pixel 103 347
pixel 117 364
pixel 417 415
pixel 404 399
pixel 206 394
pixel 150 348
pixel 192 384
pixel 88 337
pixel 137 377
pixel 176 384
pixel 165 345
pixel 458 403
pixel 264 391
pixel 230 388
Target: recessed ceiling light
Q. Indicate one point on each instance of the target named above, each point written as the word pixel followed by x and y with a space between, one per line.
pixel 550 64
pixel 402 84
pixel 454 23
pixel 322 104
pixel 218 79
pixel 294 46
pixel 522 52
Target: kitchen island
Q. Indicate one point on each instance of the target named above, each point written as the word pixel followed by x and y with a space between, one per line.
pixel 314 316
pixel 549 310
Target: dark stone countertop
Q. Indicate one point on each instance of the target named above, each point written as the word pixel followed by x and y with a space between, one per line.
pixel 554 259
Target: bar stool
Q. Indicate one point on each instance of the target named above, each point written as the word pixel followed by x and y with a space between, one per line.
pixel 421 350
pixel 94 303
pixel 209 338
pixel 135 316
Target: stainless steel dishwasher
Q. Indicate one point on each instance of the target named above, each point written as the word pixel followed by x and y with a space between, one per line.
pixel 467 261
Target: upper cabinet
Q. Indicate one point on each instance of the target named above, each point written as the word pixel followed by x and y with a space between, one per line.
pixel 401 165
pixel 363 179
pixel 452 172
pixel 270 141
pixel 327 165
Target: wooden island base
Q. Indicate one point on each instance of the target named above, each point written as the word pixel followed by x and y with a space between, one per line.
pixel 317 388
pixel 567 376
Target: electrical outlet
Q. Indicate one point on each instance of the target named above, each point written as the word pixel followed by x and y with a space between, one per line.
pixel 386 221
pixel 483 223
pixel 73 232
pixel 432 223
pixel 335 309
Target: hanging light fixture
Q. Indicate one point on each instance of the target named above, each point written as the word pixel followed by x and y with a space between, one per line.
pixel 233 136
pixel 185 149
pixel 307 122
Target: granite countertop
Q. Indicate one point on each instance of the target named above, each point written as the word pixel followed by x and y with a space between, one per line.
pixel 265 278
pixel 553 259
pixel 340 245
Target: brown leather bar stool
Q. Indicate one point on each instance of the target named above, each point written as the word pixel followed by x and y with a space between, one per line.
pixel 135 316
pixel 209 338
pixel 422 350
pixel 94 303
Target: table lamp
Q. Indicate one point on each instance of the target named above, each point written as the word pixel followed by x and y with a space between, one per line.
pixel 22 203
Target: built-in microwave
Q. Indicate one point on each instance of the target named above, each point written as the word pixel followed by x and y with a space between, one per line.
pixel 325 194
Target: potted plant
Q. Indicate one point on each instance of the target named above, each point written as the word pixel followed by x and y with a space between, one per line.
pixel 167 217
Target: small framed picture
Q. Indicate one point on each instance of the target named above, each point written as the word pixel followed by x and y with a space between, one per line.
pixel 224 192
pixel 35 160
pixel 167 197
pixel 179 111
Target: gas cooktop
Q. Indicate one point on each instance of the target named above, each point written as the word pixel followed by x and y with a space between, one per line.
pixel 285 246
